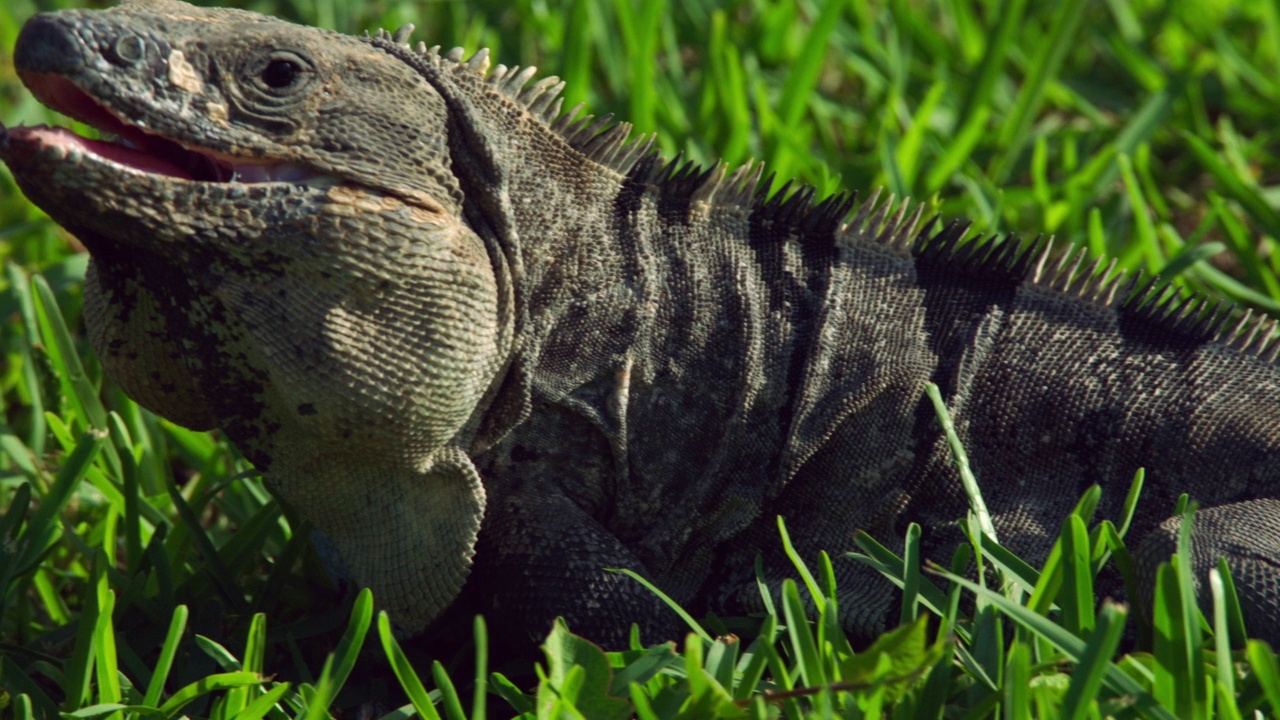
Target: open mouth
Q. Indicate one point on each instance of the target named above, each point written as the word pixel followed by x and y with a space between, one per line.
pixel 132 147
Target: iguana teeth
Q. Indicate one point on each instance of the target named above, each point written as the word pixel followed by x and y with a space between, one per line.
pixel 269 172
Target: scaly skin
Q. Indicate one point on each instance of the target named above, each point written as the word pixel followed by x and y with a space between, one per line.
pixel 205 301
pixel 490 352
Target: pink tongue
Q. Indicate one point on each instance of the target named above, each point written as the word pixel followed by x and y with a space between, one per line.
pixel 111 151
pixel 62 95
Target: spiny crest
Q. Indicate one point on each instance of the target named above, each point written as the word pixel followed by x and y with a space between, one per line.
pixel 1138 296
pixel 879 223
pixel 730 188
pixel 1199 316
pixel 603 141
pixel 887 223
pixel 704 186
pixel 610 145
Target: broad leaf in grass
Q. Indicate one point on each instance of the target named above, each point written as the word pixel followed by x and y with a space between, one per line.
pixel 910 658
pixel 641 665
pixel 564 650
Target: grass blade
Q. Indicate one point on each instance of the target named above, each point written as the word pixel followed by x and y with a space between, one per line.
pixel 961 458
pixel 404 671
pixel 177 625
pixel 801 634
pixel 206 685
pixel 1094 662
pixel 62 350
pixel 684 615
pixel 1113 678
pixel 1060 35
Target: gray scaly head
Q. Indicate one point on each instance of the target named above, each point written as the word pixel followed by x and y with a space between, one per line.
pixel 278 249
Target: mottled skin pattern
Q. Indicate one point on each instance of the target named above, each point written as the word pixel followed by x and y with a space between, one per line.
pixel 489 350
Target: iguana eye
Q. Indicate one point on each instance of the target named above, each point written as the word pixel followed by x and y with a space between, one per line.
pixel 281 71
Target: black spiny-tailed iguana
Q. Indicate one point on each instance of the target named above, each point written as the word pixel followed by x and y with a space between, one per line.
pixel 477 342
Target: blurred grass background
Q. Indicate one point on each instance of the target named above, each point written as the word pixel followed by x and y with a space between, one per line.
pixel 1143 129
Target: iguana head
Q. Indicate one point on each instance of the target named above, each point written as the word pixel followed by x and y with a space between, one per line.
pixel 279 250
pixel 225 96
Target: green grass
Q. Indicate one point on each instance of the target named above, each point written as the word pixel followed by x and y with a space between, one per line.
pixel 145 566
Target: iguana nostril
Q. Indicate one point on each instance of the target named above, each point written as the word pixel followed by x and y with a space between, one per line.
pixel 130 49
pixel 45 43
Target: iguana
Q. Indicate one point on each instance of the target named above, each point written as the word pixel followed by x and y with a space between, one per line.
pixel 490 350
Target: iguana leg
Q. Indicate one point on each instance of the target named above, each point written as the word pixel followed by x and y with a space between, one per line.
pixel 540 556
pixel 1247 534
pixel 868 602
